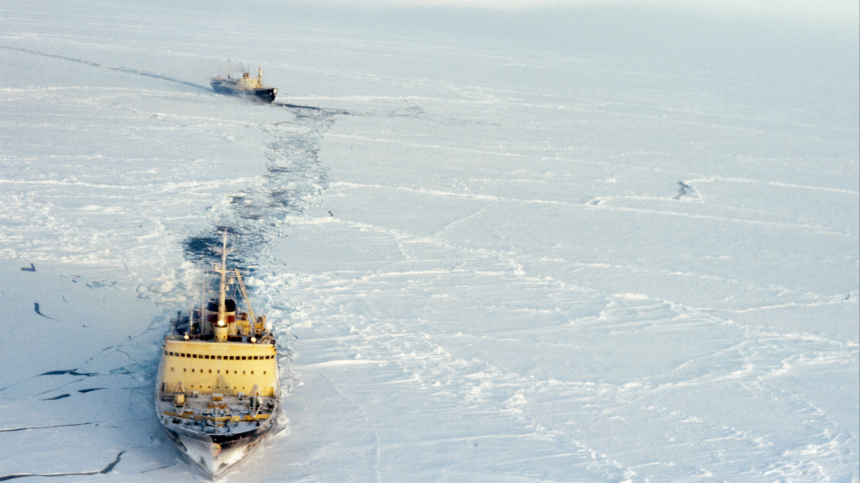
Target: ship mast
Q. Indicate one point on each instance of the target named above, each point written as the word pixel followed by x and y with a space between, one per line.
pixel 222 295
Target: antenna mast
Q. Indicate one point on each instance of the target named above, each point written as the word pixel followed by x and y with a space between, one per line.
pixel 222 296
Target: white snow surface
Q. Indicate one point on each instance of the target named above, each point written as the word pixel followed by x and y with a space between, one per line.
pixel 486 259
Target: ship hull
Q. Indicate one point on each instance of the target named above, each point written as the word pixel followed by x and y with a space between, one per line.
pixel 266 95
pixel 214 455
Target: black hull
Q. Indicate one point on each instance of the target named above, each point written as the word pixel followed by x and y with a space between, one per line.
pixel 242 444
pixel 263 95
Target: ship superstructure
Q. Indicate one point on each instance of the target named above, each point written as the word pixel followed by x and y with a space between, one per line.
pixel 217 387
pixel 245 86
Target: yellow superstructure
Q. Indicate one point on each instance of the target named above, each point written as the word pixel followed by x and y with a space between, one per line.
pixel 226 368
pixel 248 83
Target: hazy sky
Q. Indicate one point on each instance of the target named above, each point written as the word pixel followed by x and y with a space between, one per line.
pixel 838 12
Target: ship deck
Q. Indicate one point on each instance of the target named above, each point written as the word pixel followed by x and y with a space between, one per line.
pixel 231 415
pixel 215 435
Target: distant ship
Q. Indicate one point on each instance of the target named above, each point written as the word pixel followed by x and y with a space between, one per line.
pixel 217 390
pixel 246 86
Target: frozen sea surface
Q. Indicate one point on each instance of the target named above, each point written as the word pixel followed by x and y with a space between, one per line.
pixel 488 258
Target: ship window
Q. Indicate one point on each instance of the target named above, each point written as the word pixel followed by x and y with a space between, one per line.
pixel 243 358
pixel 243 373
pixel 219 358
pixel 210 371
pixel 264 372
pixel 194 356
pixel 184 370
pixel 171 369
pixel 192 370
pixel 235 372
pixel 218 371
pixel 231 358
pixel 206 356
pixel 252 373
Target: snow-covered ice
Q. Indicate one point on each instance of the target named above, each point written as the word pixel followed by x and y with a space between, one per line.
pixel 487 258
